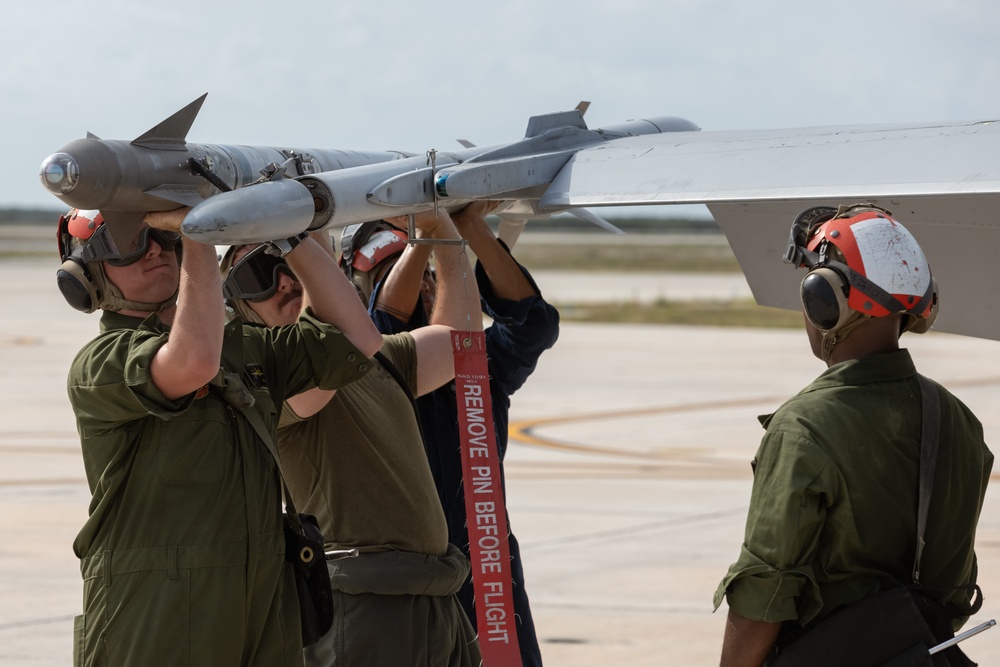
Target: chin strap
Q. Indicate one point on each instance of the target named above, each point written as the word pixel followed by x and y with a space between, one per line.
pixel 116 303
pixel 113 299
pixel 834 336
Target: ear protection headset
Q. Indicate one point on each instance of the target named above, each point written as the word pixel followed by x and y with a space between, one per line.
pixel 823 293
pixel 82 290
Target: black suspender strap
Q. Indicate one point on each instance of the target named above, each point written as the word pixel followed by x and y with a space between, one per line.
pixel 930 428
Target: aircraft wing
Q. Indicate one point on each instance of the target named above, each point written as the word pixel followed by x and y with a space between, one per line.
pixel 941 180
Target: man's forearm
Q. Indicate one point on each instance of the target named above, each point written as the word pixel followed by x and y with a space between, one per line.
pixel 506 277
pixel 401 288
pixel 747 643
pixel 457 301
pixel 193 351
pixel 332 297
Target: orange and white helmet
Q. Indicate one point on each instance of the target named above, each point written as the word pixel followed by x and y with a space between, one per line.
pixel 862 263
pixel 366 245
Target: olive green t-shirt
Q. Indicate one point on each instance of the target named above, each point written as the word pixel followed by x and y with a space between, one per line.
pixel 359 464
pixel 832 516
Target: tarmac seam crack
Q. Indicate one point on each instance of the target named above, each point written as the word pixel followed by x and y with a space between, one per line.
pixel 39 621
pixel 632 530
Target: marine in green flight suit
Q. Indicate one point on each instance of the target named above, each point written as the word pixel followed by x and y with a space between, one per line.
pixel 183 553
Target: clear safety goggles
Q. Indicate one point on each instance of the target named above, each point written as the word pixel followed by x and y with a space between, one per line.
pixel 255 276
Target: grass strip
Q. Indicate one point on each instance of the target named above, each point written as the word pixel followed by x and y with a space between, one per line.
pixel 733 313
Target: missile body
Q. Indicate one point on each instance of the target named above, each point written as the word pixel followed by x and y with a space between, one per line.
pixel 520 171
pixel 270 210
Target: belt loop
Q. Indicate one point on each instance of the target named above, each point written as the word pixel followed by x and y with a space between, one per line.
pixel 106 567
pixel 172 561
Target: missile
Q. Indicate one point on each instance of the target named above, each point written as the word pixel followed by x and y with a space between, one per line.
pixel 517 171
pixel 159 170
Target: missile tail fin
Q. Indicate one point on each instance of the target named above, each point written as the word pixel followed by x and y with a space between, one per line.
pixel 551 121
pixel 123 225
pixel 172 132
pixel 466 143
pixel 593 218
pixel 91 135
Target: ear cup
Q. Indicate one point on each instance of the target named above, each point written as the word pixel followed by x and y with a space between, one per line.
pixel 824 299
pixel 77 286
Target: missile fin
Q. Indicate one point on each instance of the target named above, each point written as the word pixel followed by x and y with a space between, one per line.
pixel 551 121
pixel 172 132
pixel 185 195
pixel 466 143
pixel 91 135
pixel 593 218
pixel 123 225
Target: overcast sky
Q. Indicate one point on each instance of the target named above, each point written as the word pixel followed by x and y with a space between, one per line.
pixel 414 75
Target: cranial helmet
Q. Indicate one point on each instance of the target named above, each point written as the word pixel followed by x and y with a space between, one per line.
pixel 84 244
pixel 862 264
pixel 364 247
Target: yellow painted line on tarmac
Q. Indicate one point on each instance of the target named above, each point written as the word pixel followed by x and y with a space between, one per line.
pixel 71 481
pixel 524 431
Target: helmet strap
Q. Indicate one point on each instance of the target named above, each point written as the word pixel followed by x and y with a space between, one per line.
pixel 834 336
pixel 114 299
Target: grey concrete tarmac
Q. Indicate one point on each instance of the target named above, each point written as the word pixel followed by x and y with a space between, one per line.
pixel 628 476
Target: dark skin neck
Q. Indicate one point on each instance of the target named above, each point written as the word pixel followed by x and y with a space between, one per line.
pixel 878 335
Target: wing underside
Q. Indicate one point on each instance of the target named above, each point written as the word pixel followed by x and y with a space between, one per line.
pixel 942 181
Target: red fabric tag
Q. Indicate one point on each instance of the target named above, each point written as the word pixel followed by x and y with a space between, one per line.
pixel 485 511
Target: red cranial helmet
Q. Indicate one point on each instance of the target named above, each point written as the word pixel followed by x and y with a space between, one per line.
pixel 862 263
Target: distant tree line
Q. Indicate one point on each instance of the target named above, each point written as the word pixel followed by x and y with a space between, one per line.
pixel 561 222
pixel 30 216
pixel 649 224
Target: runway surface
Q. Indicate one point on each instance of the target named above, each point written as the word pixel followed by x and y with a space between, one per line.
pixel 628 475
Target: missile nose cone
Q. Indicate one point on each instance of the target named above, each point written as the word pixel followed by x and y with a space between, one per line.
pixel 84 173
pixel 60 173
pixel 262 212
